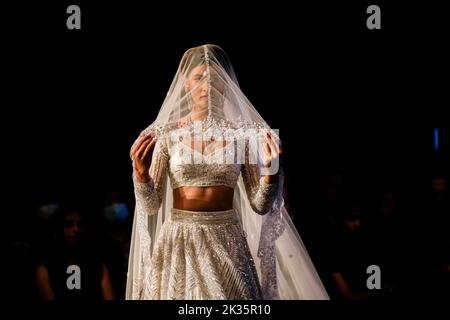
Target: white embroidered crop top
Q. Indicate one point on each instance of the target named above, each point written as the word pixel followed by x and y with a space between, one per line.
pixel 188 167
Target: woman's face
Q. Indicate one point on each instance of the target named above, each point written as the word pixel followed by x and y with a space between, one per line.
pixel 197 85
pixel 73 228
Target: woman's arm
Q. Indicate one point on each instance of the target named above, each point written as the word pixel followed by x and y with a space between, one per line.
pixel 43 283
pixel 106 284
pixel 344 288
pixel 149 172
pixel 260 193
pixel 261 189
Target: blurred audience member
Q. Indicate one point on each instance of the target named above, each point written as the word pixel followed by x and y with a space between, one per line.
pixel 71 267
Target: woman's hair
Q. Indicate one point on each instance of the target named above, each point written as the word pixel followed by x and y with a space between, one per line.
pixel 62 212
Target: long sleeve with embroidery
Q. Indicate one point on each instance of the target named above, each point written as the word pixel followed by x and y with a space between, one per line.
pixel 149 194
pixel 260 194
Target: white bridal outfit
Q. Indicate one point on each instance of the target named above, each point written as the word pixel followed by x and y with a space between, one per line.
pixel 252 251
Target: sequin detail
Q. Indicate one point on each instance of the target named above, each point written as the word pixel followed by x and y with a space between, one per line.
pixel 202 255
pixel 260 194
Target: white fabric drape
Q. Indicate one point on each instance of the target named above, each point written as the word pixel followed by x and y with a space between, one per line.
pixel 283 264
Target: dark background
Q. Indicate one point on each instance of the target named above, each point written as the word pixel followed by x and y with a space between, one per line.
pixel 343 97
pixel 339 93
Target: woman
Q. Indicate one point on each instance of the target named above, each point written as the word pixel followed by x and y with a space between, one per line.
pixel 71 269
pixel 210 221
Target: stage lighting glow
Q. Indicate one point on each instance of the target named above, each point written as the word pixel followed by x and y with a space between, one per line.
pixel 436 139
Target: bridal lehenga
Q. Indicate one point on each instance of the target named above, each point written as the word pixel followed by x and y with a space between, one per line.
pixel 252 251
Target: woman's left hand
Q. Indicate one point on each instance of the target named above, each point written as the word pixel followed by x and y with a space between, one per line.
pixel 271 151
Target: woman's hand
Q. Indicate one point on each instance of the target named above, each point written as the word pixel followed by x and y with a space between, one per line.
pixel 271 151
pixel 141 154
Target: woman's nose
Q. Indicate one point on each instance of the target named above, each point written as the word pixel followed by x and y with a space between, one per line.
pixel 205 86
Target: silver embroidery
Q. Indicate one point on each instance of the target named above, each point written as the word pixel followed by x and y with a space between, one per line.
pixel 204 255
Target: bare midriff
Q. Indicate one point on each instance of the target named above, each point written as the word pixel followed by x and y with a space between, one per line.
pixel 215 198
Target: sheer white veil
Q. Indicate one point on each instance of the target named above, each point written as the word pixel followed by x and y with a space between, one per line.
pixel 205 103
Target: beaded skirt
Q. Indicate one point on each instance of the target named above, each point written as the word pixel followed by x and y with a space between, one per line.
pixel 202 255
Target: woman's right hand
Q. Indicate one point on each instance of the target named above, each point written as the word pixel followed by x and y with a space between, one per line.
pixel 141 154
